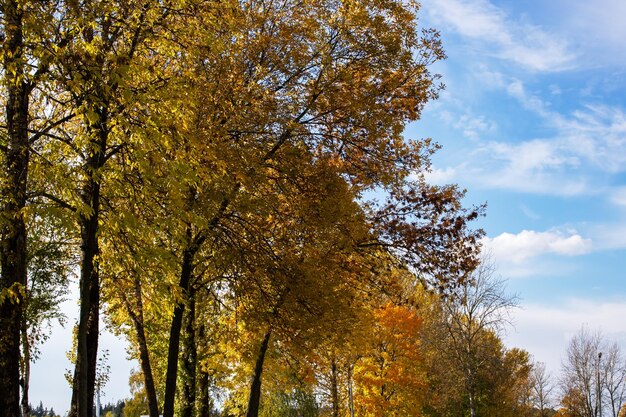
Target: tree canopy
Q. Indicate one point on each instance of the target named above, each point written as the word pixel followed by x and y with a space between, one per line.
pixel 231 183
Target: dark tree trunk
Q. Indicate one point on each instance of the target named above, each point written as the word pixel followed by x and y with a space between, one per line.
pixel 89 318
pixel 189 358
pixel 13 228
pixel 175 330
pixel 255 388
pixel 136 316
pixel 205 404
pixel 334 388
pixel 26 370
pixel 350 390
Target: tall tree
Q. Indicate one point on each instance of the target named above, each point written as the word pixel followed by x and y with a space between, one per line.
pixel 481 305
pixel 15 158
pixel 389 378
pixel 580 377
pixel 93 67
pixel 259 93
pixel 614 378
pixel 542 388
pixel 24 26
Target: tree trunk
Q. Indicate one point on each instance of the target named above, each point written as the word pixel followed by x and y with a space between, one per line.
pixel 472 403
pixel 255 388
pixel 13 229
pixel 26 370
pixel 136 316
pixel 189 359
pixel 350 390
pixel 205 404
pixel 175 330
pixel 334 389
pixel 89 318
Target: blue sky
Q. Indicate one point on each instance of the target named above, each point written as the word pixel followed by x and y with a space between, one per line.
pixel 533 121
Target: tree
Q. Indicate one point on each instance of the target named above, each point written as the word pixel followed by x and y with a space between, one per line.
pixel 479 306
pixel 389 377
pixel 594 371
pixel 13 187
pixel 25 65
pixel 542 389
pixel 93 65
pixel 614 378
pixel 580 380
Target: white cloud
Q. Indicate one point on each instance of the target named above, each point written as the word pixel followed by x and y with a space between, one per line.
pixel 598 133
pixel 536 166
pixel 441 176
pixel 517 90
pixel 473 126
pixel 520 247
pixel 521 43
pixel 545 330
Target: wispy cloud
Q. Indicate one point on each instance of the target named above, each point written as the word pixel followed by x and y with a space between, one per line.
pixel 597 27
pixel 500 35
pixel 583 147
pixel 618 196
pixel 593 132
pixel 527 244
pixel 608 236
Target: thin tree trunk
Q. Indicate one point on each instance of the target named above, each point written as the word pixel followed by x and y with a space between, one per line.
pixel 13 230
pixel 334 389
pixel 146 366
pixel 205 404
pixel 350 391
pixel 193 246
pixel 137 318
pixel 472 403
pixel 26 370
pixel 175 330
pixel 189 359
pixel 89 318
pixel 255 388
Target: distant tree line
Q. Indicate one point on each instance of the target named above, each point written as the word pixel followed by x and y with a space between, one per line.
pixel 40 411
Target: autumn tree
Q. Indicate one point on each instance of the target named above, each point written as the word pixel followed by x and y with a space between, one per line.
pixel 580 378
pixel 479 307
pixel 202 154
pixel 389 377
pixel 594 371
pixel 92 67
pixel 25 27
pixel 542 388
